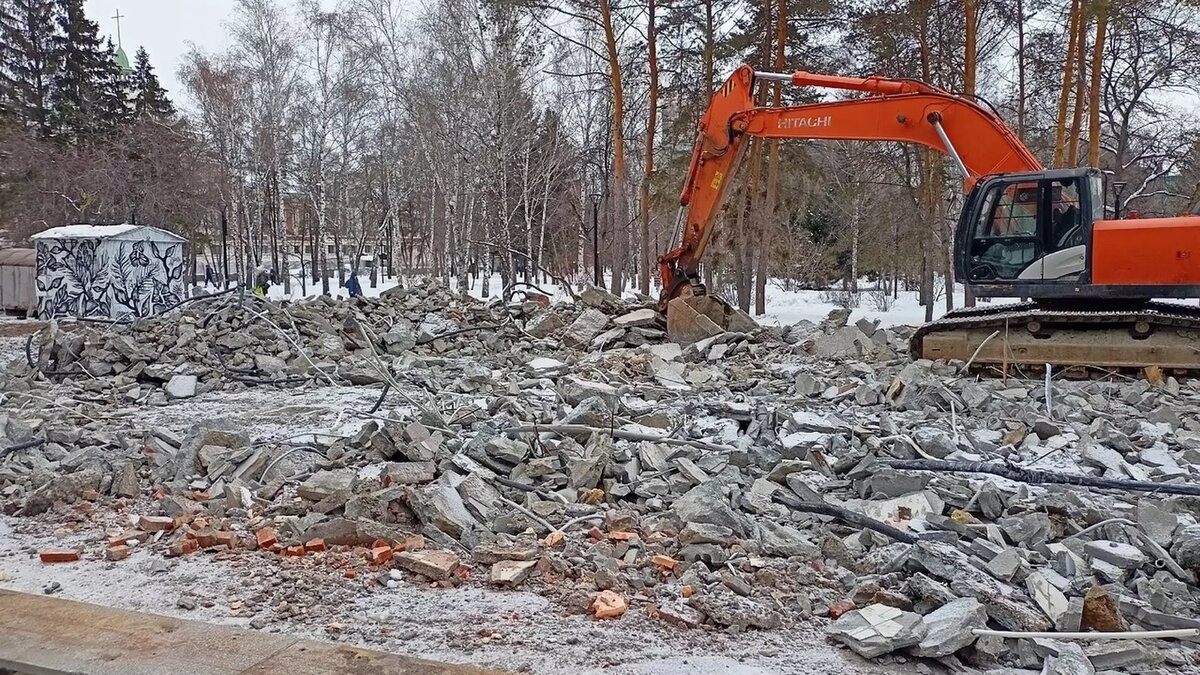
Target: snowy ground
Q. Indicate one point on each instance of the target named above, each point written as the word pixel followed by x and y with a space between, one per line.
pixel 784 307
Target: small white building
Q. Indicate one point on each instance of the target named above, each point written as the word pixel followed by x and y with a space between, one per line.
pixel 107 271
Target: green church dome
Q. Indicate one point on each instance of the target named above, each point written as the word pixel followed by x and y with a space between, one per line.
pixel 123 60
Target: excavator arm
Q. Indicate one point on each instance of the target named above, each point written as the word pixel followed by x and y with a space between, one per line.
pixel 896 110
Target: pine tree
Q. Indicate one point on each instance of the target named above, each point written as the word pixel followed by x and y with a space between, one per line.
pixel 89 97
pixel 116 83
pixel 149 96
pixel 30 47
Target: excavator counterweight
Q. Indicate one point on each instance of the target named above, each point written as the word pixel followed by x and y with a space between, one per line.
pixel 1024 231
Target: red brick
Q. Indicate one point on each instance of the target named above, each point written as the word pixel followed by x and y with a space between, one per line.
pixel 380 554
pixel 183 547
pixel 156 523
pixel 227 539
pixel 206 538
pixel 622 536
pixel 58 556
pixel 315 545
pixel 267 537
pixel 296 550
pixel 413 542
pixel 608 605
pixel 349 574
pixel 665 561
pixel 115 553
pixel 841 607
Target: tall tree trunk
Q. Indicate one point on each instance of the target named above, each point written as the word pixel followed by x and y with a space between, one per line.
pixel 947 230
pixel 1094 95
pixel 970 18
pixel 749 241
pixel 855 235
pixel 709 47
pixel 1020 70
pixel 741 238
pixel 767 216
pixel 929 236
pixel 619 204
pixel 969 68
pixel 1064 94
pixel 1080 85
pixel 651 127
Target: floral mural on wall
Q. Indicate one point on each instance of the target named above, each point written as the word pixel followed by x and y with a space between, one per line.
pixel 107 278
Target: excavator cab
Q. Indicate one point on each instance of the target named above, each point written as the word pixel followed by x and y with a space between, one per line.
pixel 1028 230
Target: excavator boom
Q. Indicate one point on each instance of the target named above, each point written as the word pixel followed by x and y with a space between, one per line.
pixel 894 110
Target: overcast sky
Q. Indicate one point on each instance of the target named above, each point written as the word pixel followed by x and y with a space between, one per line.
pixel 165 28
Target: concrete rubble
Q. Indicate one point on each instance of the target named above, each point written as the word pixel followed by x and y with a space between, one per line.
pixel 574 451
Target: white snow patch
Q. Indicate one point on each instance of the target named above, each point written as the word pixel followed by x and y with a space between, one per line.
pixel 84 231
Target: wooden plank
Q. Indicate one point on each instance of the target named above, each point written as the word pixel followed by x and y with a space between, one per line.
pixel 41 635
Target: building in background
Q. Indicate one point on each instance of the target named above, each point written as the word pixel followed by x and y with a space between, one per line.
pixel 17 285
pixel 400 235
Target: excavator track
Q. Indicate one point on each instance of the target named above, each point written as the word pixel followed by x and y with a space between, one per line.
pixel 1165 335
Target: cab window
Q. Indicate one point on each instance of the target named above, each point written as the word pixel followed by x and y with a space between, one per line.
pixel 1065 226
pixel 1010 211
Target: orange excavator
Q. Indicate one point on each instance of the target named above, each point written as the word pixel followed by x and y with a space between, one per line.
pixel 1024 232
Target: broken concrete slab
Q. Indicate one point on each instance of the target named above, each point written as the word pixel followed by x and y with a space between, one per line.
pixel 324 483
pixel 181 386
pixel 1068 659
pixel 435 565
pixel 679 613
pixel 878 629
pixel 725 608
pixel 638 317
pixel 785 541
pixel 442 507
pixel 584 329
pixel 707 503
pixel 511 573
pixel 1122 555
pixel 949 628
pixel 1048 598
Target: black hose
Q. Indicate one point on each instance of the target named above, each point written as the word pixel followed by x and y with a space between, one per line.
pixel 387 386
pixel 22 446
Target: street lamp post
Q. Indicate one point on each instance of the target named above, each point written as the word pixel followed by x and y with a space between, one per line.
pixel 598 279
pixel 1118 192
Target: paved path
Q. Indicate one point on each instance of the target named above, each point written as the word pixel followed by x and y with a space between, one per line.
pixel 40 634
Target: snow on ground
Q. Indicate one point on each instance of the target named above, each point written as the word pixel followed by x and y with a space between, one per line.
pixel 784 307
pixel 787 307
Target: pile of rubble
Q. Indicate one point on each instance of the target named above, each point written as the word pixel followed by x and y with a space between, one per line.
pixel 231 341
pixel 752 479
